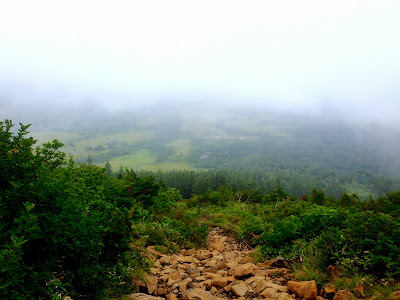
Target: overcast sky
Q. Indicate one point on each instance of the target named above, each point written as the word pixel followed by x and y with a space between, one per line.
pixel 336 54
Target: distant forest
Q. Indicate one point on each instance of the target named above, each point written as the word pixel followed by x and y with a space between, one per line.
pixel 201 147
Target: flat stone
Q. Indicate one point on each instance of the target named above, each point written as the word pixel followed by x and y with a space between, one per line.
pixel 269 293
pixel 240 289
pixel 198 294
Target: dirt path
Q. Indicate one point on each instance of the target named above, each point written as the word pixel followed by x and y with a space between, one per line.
pixel 222 271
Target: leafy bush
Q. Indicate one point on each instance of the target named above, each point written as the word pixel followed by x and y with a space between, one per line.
pixel 63 230
pixel 358 241
pixel 372 243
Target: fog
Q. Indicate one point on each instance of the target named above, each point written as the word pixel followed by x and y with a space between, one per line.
pixel 338 58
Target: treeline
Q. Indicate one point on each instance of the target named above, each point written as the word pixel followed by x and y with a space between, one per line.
pixel 294 181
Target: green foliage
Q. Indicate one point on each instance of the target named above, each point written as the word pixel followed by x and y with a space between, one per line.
pixel 64 230
pixel 362 241
pixel 372 243
pixel 317 196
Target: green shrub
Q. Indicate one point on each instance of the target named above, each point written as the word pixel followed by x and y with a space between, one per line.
pixel 372 243
pixel 63 230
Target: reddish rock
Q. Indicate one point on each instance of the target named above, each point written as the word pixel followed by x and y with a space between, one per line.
pixel 303 289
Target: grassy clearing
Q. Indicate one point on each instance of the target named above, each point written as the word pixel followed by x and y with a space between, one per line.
pixel 168 166
pixel 129 137
pixel 133 161
pixel 181 146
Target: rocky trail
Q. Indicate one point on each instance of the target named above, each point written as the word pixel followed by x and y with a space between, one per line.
pixel 223 271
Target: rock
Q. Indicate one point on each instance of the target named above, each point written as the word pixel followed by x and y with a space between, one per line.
pixel 320 298
pixel 183 285
pixel 214 244
pixel 328 291
pixel 242 270
pixel 277 287
pixel 162 290
pixel 184 259
pixel 220 281
pixel 203 254
pixel 140 284
pixel 155 271
pixel 197 294
pixel 211 275
pixel 164 259
pixel 284 296
pixel 277 262
pixel 260 286
pixel 214 290
pixel 228 287
pixel 303 289
pixel 240 289
pixel 140 296
pixel 206 283
pixel 344 295
pixel 173 277
pixel 151 283
pixel 188 252
pixel 171 297
pixel 269 293
pixel 394 296
pixel 231 255
pixel 210 263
